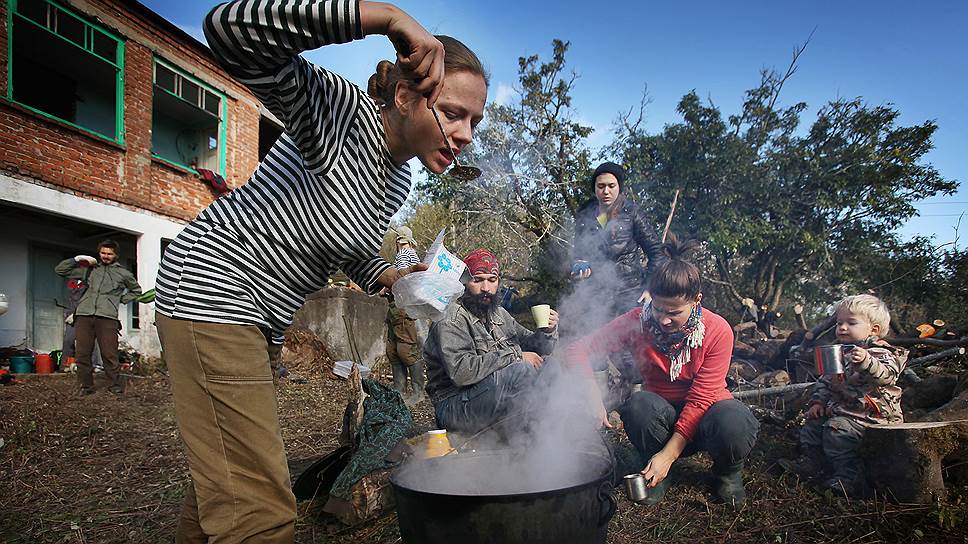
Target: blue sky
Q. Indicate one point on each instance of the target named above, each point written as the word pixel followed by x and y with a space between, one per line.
pixel 909 54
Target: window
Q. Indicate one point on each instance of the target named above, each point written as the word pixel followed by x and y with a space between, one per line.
pixel 188 121
pixel 269 132
pixel 63 66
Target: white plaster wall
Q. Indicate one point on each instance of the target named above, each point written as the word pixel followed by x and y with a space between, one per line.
pixel 149 228
pixel 13 283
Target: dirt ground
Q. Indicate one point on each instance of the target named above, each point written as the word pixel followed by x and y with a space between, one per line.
pixel 99 469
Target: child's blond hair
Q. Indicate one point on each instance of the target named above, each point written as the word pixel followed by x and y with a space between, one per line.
pixel 869 307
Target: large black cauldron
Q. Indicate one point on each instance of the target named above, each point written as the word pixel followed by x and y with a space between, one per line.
pixel 473 498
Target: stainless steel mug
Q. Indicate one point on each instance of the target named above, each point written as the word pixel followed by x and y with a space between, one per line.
pixel 635 487
pixel 830 359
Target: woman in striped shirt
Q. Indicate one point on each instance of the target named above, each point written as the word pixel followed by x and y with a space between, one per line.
pixel 321 200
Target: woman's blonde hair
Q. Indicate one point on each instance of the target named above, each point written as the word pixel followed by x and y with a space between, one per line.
pixel 870 308
pixel 382 85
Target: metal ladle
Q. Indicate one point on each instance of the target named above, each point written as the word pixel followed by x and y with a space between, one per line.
pixel 459 171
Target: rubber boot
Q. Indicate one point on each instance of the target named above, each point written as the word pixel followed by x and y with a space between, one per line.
pixel 730 488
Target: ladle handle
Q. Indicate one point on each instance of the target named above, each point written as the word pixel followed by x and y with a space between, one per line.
pixel 444 134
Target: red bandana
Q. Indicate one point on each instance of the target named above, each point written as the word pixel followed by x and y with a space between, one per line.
pixel 481 261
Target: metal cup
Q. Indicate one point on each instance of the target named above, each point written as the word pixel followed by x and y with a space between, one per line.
pixel 635 487
pixel 830 359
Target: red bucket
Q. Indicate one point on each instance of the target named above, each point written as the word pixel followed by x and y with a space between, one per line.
pixel 43 364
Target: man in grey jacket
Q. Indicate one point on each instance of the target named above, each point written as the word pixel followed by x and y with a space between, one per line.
pixel 481 363
pixel 108 286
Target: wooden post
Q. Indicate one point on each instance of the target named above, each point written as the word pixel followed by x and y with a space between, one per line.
pixel 798 311
pixel 672 211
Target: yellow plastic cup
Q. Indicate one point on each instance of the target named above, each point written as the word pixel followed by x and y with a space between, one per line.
pixel 437 444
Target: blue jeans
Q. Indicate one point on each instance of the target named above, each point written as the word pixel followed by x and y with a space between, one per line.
pixel 727 430
pixel 506 390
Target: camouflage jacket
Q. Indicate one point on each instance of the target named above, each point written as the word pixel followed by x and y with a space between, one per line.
pixel 868 390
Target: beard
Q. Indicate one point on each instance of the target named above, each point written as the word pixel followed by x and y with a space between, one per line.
pixel 480 304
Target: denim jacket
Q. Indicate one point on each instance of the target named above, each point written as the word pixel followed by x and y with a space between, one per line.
pixel 460 351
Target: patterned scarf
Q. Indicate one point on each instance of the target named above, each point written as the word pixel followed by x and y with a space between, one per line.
pixel 676 345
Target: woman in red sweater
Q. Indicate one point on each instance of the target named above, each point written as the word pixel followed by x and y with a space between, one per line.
pixel 683 352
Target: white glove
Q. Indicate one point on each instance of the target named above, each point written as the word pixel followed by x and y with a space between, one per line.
pixel 85 258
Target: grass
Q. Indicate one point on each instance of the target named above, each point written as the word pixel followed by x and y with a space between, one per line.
pixel 101 470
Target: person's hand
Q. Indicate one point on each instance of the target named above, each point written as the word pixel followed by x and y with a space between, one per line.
pixel 657 469
pixel 552 321
pixel 857 355
pixel 602 416
pixel 420 55
pixel 391 275
pixel 815 411
pixel 581 270
pixel 532 359
pixel 85 260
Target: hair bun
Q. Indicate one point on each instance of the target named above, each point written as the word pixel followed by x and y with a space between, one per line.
pixel 379 84
pixel 677 249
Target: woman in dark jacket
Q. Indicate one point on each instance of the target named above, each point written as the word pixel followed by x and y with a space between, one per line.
pixel 611 233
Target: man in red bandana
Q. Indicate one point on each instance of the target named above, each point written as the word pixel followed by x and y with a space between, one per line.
pixel 480 361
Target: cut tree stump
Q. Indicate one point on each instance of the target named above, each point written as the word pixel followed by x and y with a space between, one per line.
pixel 904 460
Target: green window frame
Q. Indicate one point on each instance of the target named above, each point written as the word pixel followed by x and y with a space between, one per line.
pixel 74 33
pixel 183 102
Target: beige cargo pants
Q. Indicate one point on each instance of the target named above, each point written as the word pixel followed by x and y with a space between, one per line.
pixel 225 407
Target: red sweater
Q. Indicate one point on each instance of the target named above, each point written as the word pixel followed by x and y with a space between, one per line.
pixel 702 380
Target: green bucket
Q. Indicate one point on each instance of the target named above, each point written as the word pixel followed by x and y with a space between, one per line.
pixel 22 364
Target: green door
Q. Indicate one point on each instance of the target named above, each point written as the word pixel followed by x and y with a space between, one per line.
pixel 47 290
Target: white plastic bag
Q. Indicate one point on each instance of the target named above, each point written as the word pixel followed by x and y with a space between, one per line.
pixel 425 295
pixel 440 260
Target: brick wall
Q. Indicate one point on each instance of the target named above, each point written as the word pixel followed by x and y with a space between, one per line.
pixel 32 146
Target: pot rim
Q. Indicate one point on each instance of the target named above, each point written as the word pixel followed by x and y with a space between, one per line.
pixel 603 475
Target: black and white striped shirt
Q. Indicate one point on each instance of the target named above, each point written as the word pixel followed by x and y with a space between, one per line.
pixel 406 258
pixel 320 200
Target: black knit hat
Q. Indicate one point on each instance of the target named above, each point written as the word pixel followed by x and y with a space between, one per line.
pixel 610 168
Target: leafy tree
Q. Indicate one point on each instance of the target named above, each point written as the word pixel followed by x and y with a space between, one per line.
pixel 783 210
pixel 919 282
pixel 533 154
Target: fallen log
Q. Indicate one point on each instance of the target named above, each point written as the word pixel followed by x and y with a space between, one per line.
pixel 904 460
pixel 914 341
pixel 770 390
pixel 922 361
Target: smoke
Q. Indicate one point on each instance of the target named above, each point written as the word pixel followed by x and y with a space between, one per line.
pixel 555 440
pixel 551 442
